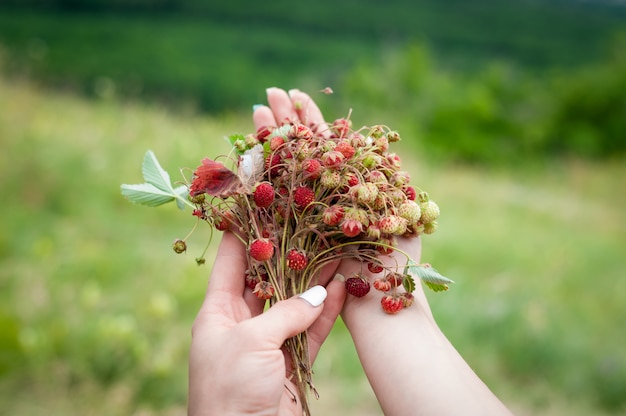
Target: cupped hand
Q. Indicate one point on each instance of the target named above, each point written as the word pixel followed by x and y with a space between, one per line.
pixel 236 364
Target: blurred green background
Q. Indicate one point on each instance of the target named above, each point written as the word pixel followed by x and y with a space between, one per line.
pixel 513 117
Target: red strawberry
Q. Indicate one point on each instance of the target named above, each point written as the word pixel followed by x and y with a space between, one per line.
pixel 312 168
pixel 392 304
pixel 303 196
pixel 251 279
pixel 345 148
pixel 410 193
pixel 261 249
pixel 273 164
pixel 332 215
pixel 382 285
pixel 351 228
pixel 263 132
pixel 357 286
pixel 296 260
pixel 374 267
pixel 341 127
pixel 276 142
pixel 264 195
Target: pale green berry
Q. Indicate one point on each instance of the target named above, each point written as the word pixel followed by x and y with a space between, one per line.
pixel 430 211
pixel 410 211
pixel 430 227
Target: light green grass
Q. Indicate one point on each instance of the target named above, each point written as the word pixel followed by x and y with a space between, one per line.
pixel 96 310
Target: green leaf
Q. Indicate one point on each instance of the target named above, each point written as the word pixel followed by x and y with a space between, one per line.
pixel 408 283
pixel 154 174
pixel 158 189
pixel 146 194
pixel 233 138
pixel 431 277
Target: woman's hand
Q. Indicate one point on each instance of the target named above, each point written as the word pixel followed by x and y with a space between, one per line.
pixel 236 363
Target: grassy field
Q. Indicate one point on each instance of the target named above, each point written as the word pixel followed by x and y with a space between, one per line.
pixel 95 309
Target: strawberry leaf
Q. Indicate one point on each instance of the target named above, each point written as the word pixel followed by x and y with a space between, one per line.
pixel 408 283
pixel 233 138
pixel 158 189
pixel 431 277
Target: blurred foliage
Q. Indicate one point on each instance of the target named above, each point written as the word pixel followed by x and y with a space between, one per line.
pixel 500 114
pixel 95 314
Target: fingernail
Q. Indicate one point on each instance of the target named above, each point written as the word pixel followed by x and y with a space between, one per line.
pixel 339 277
pixel 315 296
pixel 256 107
pixel 293 91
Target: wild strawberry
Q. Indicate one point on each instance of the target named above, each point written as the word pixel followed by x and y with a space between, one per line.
pixel 423 197
pixel 351 227
pixel 251 140
pixel 395 279
pixel 430 227
pixel 303 196
pixel 381 144
pixel 261 249
pixel 332 159
pixel 393 160
pixel 382 285
pixel 385 245
pixel 263 195
pixel 377 177
pixel 351 179
pixel 273 164
pixel 393 136
pixel 330 179
pixel 251 279
pixel 179 246
pixel 357 286
pixel 407 299
pixel 357 214
pixel 300 131
pixel 357 140
pixel 341 127
pixel 373 231
pixel 332 215
pixel 365 193
pixel 223 220
pixel 377 132
pixel 390 224
pixel 240 145
pixel 410 211
pixel 296 260
pixel 410 193
pixel 276 142
pixel 264 290
pixel 371 161
pixel 345 148
pixel 312 168
pixel 263 132
pixel 374 267
pixel 391 304
pixel 400 178
pixel 430 211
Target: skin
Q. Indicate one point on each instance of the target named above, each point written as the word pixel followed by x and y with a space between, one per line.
pixel 237 366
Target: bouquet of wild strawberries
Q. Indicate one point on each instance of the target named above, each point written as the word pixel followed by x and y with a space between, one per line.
pixel 300 200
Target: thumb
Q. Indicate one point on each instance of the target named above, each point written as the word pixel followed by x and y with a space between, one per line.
pixel 290 317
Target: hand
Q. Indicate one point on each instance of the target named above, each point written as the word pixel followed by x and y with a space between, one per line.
pixel 412 367
pixel 236 362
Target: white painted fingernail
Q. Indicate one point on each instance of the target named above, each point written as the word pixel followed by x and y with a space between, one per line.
pixel 292 91
pixel 256 107
pixel 339 277
pixel 315 296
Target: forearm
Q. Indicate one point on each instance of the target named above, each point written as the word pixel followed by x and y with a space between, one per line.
pixel 412 367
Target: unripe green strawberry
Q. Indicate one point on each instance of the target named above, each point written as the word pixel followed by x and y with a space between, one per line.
pixel 430 211
pixel 400 178
pixel 407 299
pixel 330 179
pixel 366 193
pixel 393 136
pixel 410 211
pixel 371 161
pixel 422 197
pixel 373 232
pixel 431 227
pixel 377 132
pixel 251 141
pixel 179 246
pixel 377 177
pixel 240 145
pixel 394 162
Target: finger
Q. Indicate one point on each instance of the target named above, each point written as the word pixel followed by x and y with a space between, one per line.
pixel 281 105
pixel 229 267
pixel 327 273
pixel 308 112
pixel 285 319
pixel 318 332
pixel 262 116
pixel 255 304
